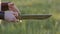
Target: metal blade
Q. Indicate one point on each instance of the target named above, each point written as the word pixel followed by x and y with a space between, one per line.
pixel 34 16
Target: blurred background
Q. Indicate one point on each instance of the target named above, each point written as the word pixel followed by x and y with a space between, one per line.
pixel 47 26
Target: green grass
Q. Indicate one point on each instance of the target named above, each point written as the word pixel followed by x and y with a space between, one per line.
pixel 48 26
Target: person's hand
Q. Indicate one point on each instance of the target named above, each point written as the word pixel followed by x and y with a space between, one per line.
pixel 12 14
pixel 13 8
pixel 14 11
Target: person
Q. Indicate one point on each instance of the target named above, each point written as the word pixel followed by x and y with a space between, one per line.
pixel 11 12
pixel 0 6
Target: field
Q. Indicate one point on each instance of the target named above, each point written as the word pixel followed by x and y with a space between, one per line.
pixel 47 26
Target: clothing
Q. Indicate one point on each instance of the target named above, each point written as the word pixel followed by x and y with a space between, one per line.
pixel 9 16
pixel 1 15
pixel 0 7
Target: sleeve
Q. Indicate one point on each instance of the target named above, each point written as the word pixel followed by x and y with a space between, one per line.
pixel 1 15
pixel 10 17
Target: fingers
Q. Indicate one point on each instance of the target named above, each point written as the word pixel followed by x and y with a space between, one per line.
pixel 13 7
pixel 10 4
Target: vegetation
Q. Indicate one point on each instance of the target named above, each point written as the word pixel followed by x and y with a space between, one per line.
pixel 47 26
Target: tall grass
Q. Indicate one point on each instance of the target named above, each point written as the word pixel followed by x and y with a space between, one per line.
pixel 47 26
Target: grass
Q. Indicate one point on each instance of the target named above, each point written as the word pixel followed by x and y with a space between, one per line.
pixel 48 26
